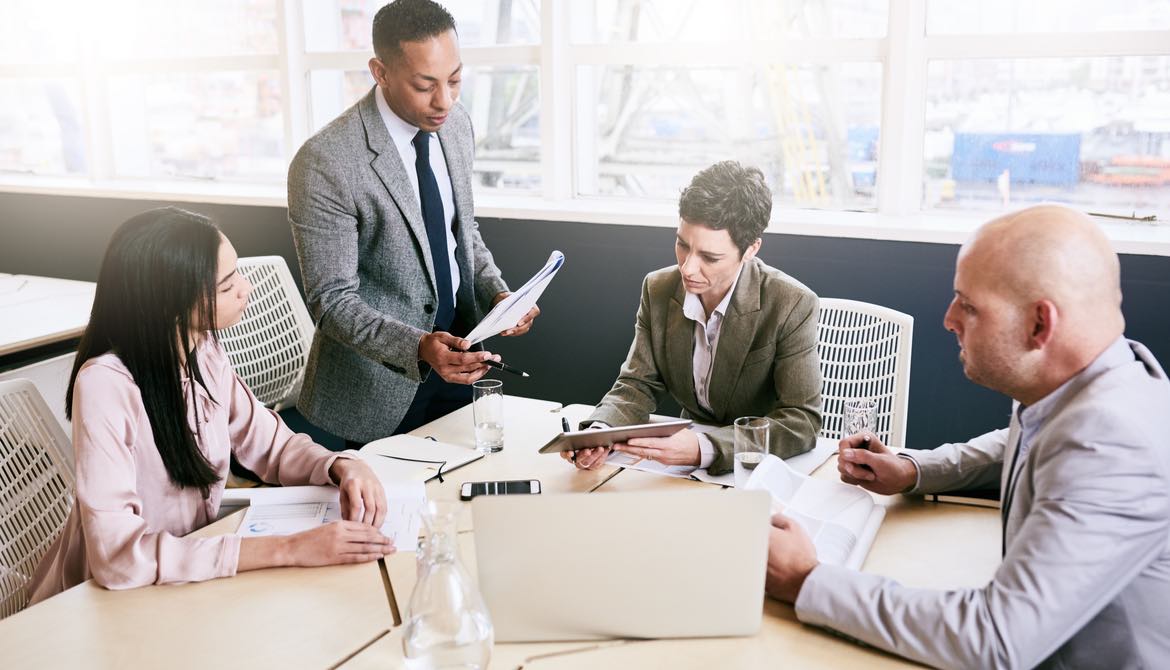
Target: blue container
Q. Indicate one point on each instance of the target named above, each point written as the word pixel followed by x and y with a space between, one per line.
pixel 1052 159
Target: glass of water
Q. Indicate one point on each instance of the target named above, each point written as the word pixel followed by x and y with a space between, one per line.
pixel 860 417
pixel 487 407
pixel 751 446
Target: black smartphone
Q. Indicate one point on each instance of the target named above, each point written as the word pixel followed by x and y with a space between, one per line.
pixel 519 486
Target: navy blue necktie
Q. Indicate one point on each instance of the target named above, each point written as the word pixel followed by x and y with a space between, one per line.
pixel 432 211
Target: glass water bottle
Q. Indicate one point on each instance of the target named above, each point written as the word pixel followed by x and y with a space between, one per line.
pixel 447 625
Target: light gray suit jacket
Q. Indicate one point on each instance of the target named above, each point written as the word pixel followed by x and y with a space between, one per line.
pixel 1085 578
pixel 367 268
pixel 766 363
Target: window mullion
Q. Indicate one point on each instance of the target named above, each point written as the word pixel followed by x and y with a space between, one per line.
pixel 98 130
pixel 903 121
pixel 293 75
pixel 556 98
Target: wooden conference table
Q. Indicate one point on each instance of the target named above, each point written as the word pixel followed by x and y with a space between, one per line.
pixel 35 311
pixel 350 616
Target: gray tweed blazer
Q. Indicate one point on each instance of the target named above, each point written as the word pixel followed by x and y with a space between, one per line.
pixel 367 268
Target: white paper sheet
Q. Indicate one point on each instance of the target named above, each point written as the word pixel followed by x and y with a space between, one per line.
pixel 508 312
pixel 804 464
pixel 291 509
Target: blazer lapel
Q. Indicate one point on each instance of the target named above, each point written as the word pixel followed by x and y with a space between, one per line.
pixel 735 338
pixel 387 164
pixel 680 347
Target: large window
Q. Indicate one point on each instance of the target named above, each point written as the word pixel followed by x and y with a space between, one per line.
pixel 909 109
pixel 501 79
pixel 1090 132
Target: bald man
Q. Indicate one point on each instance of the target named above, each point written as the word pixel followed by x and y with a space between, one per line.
pixel 1083 469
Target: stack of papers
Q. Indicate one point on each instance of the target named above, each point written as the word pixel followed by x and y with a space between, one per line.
pixel 508 312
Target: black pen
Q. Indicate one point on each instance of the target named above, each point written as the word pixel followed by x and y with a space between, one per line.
pixel 505 367
pixel 565 425
pixel 864 445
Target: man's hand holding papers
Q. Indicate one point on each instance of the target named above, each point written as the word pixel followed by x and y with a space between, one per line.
pixel 525 323
pixel 512 312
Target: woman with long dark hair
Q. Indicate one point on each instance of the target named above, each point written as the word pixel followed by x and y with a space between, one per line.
pixel 157 412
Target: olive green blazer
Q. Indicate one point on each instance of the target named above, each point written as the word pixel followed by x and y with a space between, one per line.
pixel 766 362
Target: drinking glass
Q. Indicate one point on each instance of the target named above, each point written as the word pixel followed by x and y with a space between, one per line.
pixel 860 417
pixel 487 408
pixel 751 446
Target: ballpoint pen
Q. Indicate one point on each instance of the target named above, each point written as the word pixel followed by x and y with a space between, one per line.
pixel 565 426
pixel 864 445
pixel 505 367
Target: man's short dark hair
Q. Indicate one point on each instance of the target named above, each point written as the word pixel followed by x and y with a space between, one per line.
pixel 408 21
pixel 728 196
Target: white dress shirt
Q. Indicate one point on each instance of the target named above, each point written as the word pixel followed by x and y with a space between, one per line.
pixel 402 133
pixel 707 329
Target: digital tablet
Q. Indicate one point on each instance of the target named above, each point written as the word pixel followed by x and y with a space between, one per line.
pixel 607 437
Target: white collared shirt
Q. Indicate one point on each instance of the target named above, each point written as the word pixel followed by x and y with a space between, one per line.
pixel 707 329
pixel 402 133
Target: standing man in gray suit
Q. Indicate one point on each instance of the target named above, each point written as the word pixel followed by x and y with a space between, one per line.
pixel 1083 470
pixel 395 270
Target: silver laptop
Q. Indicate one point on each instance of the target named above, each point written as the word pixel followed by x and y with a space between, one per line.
pixel 622 565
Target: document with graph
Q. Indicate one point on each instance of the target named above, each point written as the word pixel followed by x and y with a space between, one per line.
pixel 842 520
pixel 285 510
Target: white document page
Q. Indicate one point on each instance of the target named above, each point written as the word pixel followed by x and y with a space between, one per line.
pixel 291 509
pixel 804 463
pixel 624 460
pixel 508 312
pixel 842 520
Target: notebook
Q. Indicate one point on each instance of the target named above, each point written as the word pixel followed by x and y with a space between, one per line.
pixel 842 520
pixel 408 457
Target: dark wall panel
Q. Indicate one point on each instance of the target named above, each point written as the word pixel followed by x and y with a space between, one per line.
pixel 582 336
pixel 66 237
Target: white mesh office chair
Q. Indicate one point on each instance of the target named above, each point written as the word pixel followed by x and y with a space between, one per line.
pixel 865 353
pixel 36 487
pixel 270 345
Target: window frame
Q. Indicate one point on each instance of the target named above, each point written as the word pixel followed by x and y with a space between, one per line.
pixel 903 54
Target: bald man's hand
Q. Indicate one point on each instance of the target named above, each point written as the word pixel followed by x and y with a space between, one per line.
pixel 875 469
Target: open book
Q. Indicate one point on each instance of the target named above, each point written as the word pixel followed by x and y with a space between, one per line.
pixel 842 520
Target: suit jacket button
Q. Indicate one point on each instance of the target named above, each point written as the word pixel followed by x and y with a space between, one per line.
pixel 428 308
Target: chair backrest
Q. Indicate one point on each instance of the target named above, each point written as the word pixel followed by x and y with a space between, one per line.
pixel 269 347
pixel 865 353
pixel 51 377
pixel 36 487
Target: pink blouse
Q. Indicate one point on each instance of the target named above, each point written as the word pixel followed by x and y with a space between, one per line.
pixel 128 521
